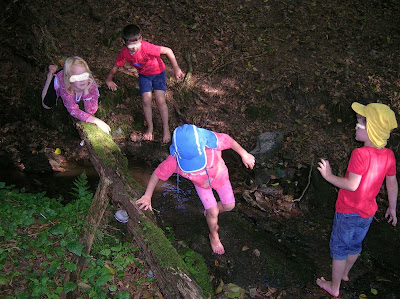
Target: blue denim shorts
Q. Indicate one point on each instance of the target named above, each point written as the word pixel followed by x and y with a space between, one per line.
pixel 348 232
pixel 152 82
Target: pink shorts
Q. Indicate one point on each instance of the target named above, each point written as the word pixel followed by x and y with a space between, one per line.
pixel 208 199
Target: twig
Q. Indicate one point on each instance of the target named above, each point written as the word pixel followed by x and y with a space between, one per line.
pixel 308 184
pixel 236 60
pixel 188 76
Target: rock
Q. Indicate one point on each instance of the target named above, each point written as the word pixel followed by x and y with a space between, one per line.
pixel 268 144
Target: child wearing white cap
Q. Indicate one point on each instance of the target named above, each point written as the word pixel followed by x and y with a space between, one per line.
pixel 195 154
pixel 356 205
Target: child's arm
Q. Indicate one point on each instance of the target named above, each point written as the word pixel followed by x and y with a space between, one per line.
pixel 248 159
pixel 145 201
pixel 170 54
pixel 52 69
pixel 350 183
pixel 392 189
pixel 109 80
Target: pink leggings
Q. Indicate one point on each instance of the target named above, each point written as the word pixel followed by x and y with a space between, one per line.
pixel 208 199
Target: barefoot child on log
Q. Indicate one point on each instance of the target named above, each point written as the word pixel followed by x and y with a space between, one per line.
pixel 195 154
pixel 356 204
pixel 74 84
pixel 146 58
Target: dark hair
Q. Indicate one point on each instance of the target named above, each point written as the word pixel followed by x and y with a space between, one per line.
pixel 131 33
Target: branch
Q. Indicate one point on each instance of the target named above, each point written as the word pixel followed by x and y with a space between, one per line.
pixel 308 184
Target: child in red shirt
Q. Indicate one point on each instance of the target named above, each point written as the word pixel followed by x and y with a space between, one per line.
pixel 368 167
pixel 146 58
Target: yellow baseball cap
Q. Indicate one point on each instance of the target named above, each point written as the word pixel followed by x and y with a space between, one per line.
pixel 380 121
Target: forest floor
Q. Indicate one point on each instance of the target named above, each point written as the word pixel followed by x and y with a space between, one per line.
pixel 263 65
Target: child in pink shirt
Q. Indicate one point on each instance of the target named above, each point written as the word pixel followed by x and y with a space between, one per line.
pixel 74 84
pixel 195 154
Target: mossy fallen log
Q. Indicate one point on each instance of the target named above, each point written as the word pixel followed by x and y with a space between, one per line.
pixel 172 274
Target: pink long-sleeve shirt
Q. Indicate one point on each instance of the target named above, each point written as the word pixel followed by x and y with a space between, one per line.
pixel 90 101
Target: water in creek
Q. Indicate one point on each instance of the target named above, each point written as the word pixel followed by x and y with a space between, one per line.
pixel 262 252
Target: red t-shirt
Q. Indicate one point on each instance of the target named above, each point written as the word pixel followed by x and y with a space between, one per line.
pixel 146 60
pixel 216 168
pixel 373 165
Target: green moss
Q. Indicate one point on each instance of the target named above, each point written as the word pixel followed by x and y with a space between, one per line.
pixel 197 266
pixel 194 265
pixel 104 146
pixel 166 254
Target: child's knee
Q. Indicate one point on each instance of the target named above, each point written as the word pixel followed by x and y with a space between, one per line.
pixel 228 207
pixel 213 212
pixel 146 98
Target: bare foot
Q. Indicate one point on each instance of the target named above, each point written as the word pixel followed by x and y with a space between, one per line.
pixel 148 136
pixel 327 286
pixel 166 137
pixel 345 278
pixel 216 245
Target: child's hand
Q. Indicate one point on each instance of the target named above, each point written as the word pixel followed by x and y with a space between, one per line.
pixel 88 86
pixel 248 160
pixel 102 125
pixel 52 69
pixel 111 85
pixel 144 203
pixel 178 74
pixel 324 168
pixel 392 216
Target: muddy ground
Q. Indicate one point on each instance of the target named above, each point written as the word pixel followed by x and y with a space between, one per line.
pixel 262 65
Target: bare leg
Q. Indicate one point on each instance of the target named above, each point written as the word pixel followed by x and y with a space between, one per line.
pixel 146 100
pixel 351 259
pixel 332 287
pixel 212 221
pixel 163 108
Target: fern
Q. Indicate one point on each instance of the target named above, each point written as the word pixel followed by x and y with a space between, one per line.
pixel 82 193
pixel 81 189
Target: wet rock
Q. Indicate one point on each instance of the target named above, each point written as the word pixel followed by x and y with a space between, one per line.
pixel 268 144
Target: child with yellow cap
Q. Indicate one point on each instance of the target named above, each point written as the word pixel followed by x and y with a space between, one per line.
pixel 356 204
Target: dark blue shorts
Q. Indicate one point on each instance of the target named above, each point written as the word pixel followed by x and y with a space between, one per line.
pixel 348 232
pixel 153 82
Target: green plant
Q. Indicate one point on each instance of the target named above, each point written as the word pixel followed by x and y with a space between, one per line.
pixel 38 238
